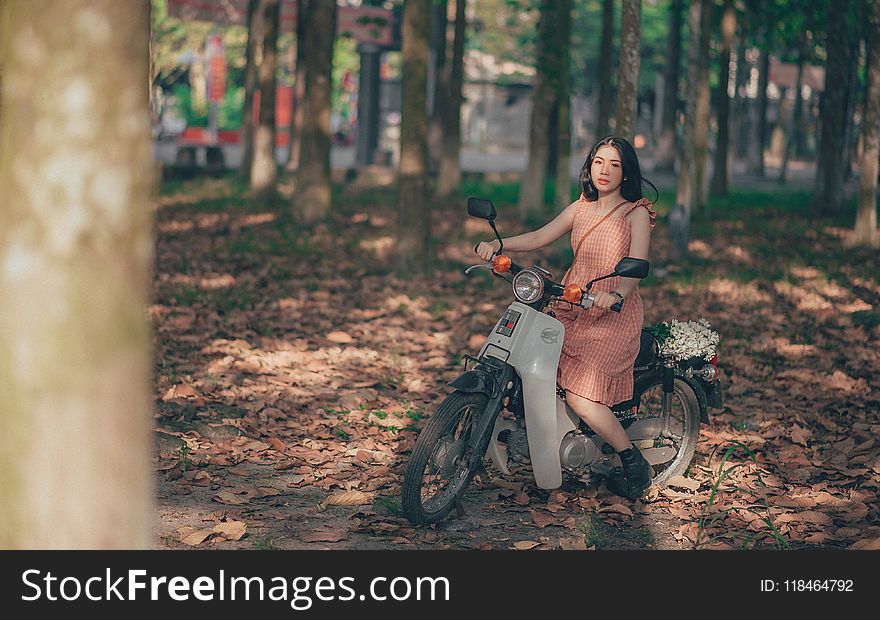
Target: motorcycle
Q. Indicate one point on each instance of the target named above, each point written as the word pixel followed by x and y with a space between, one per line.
pixel 507 404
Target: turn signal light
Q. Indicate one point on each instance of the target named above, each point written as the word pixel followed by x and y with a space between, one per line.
pixel 714 361
pixel 501 264
pixel 572 293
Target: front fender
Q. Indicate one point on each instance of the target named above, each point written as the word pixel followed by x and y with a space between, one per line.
pixel 700 391
pixel 473 381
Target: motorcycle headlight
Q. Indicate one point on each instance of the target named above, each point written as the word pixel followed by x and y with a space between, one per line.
pixel 528 286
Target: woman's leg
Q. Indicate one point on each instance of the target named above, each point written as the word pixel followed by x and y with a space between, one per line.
pixel 600 419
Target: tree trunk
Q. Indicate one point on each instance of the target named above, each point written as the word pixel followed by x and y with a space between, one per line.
pixel 563 153
pixel 439 90
pixel 414 207
pixel 531 193
pixel 76 182
pixel 449 179
pixel 628 69
pixel 722 143
pixel 829 169
pixel 264 168
pixel 298 101
pixel 701 133
pixel 605 57
pixel 759 139
pixel 246 135
pixel 679 219
pixel 666 143
pixel 740 102
pixel 313 181
pixel 852 87
pixel 793 129
pixel 865 231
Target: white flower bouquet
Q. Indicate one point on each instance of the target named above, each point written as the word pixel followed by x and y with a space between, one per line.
pixel 680 341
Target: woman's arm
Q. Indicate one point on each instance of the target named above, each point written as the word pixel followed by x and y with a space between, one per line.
pixel 529 241
pixel 640 241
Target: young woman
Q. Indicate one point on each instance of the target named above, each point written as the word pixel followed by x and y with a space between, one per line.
pixel 610 220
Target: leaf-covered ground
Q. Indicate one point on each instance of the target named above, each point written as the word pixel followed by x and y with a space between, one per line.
pixel 293 371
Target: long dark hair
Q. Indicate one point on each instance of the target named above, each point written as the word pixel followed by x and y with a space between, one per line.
pixel 631 185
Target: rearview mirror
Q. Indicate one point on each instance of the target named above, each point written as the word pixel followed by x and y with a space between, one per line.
pixel 481 208
pixel 632 268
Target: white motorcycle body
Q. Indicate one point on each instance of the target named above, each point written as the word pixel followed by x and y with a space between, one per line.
pixel 533 346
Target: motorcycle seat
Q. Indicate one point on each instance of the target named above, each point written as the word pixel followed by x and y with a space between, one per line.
pixel 648 350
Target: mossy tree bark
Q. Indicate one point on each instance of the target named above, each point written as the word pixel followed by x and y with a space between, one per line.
pixel 76 179
pixel 413 204
pixel 313 188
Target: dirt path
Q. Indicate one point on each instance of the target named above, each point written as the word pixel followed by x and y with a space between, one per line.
pixel 293 374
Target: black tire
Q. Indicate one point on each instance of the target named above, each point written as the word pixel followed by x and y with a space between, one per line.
pixel 684 423
pixel 438 472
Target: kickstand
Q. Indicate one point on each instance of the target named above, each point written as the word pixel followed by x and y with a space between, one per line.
pixel 459 509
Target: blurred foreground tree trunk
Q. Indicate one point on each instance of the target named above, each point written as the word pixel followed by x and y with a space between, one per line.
pixel 313 188
pixel 264 168
pixel 298 100
pixel 722 144
pixel 563 143
pixel 76 180
pixel 666 143
pixel 829 169
pixel 628 70
pixel 413 204
pixel 865 232
pixel 606 57
pixel 246 135
pixel 531 187
pixel 449 178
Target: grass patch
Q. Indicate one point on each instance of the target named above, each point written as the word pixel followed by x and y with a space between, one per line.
pixel 263 544
pixel 389 505
pixel 590 527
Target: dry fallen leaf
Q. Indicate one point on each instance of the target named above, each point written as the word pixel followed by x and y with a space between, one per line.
pixel 324 536
pixel 197 537
pixel 683 483
pixel 616 508
pixel 866 544
pixel 573 544
pixel 231 530
pixel 348 498
pixel 522 499
pixel 800 435
pixel 228 497
pixel 524 545
pixel 542 519
pixel 339 337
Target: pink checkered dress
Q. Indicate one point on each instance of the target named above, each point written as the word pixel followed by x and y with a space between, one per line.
pixel 600 346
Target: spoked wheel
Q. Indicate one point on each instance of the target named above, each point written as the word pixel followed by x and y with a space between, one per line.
pixel 680 431
pixel 442 464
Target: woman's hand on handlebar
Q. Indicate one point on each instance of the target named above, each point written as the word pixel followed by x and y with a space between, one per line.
pixel 486 249
pixel 605 300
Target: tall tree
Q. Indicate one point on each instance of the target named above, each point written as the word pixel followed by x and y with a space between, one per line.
pixel 313 188
pixel 702 111
pixel 628 69
pixel 76 178
pixel 865 231
pixel 548 72
pixel 298 100
pixel 665 158
pixel 722 144
pixel 449 179
pixel 246 134
pixel 413 204
pixel 680 215
pixel 759 136
pixel 438 86
pixel 563 106
pixel 606 54
pixel 793 128
pixel 829 170
pixel 264 168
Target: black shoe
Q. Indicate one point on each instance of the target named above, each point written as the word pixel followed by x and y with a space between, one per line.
pixel 636 478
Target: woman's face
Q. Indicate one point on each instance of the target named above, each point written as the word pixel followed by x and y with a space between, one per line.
pixel 606 170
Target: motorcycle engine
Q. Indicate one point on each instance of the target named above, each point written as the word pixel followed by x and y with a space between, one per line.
pixel 576 452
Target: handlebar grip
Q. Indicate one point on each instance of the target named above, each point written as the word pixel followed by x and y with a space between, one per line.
pixel 617 307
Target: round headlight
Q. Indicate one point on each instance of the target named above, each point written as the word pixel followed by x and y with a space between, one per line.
pixel 528 286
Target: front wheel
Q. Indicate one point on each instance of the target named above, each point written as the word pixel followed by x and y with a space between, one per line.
pixel 680 427
pixel 442 464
